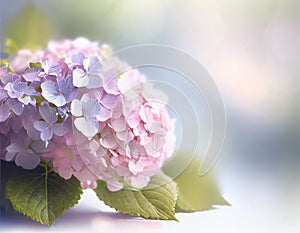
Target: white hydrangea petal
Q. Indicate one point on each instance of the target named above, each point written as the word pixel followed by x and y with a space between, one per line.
pixel 88 127
pixel 76 108
pixel 80 78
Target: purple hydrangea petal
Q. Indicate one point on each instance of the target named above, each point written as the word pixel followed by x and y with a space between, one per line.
pixel 9 77
pixel 4 112
pixel 59 129
pixel 16 106
pixel 11 91
pixel 20 86
pixel 29 116
pixel 39 146
pixel 77 58
pixel 4 142
pixel 48 113
pixel 15 147
pixel 41 125
pixel 9 156
pixel 27 160
pixel 65 84
pixel 29 90
pixel 31 74
pixel 16 123
pixel 5 127
pixel 3 94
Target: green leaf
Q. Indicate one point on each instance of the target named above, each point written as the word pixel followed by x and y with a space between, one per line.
pixel 42 195
pixel 156 201
pixel 35 64
pixel 195 192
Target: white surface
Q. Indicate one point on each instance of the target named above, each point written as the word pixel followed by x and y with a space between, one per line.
pixel 92 216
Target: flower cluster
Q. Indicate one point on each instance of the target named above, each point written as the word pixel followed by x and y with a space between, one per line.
pixel 83 116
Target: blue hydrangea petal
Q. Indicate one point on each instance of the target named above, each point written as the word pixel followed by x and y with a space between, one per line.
pixel 51 68
pixel 95 81
pixel 92 65
pixel 91 108
pixel 41 125
pixel 66 87
pixel 47 134
pixel 49 91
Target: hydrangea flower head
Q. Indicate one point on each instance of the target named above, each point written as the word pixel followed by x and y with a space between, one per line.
pixel 85 116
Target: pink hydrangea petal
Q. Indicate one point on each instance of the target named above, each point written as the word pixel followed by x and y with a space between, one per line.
pixel 118 124
pixel 110 82
pixel 104 115
pixel 109 142
pixel 114 185
pixel 109 101
pixel 125 136
pixel 138 181
pixel 134 119
pixel 135 166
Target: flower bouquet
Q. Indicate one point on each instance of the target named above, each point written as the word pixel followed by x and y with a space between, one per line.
pixel 71 119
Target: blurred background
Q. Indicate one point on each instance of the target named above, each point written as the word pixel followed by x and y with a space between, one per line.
pixel 252 51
